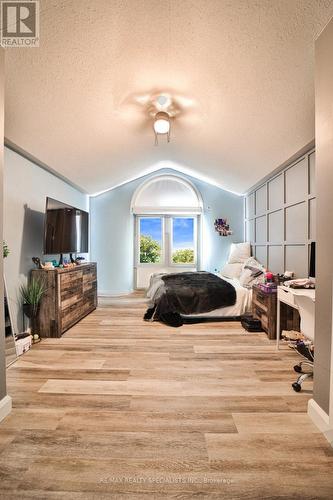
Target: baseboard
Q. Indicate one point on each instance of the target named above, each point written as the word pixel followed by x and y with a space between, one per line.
pixel 112 293
pixel 320 418
pixel 5 407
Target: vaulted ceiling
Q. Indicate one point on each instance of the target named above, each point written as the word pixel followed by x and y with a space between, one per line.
pixel 242 72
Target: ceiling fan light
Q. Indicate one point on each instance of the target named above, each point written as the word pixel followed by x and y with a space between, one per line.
pixel 162 123
pixel 161 126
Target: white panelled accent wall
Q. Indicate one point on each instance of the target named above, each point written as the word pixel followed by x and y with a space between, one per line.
pixel 280 217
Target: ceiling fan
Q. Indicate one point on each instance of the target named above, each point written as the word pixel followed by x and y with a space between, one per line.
pixel 157 110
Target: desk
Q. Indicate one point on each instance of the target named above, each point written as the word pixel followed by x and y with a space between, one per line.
pixel 288 296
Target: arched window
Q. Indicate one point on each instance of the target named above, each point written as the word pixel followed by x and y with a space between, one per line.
pixel 167 194
pixel 167 210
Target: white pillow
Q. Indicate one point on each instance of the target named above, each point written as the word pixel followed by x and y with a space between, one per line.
pixel 232 270
pixel 239 252
pixel 252 273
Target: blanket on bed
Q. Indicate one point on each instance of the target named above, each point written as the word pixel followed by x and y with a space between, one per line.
pixel 189 293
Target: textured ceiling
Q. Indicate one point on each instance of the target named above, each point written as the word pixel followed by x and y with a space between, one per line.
pixel 245 69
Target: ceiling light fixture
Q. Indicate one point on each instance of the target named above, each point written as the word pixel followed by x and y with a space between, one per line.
pixel 162 125
pixel 163 100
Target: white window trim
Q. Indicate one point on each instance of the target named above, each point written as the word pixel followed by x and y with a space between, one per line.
pixel 158 210
pixel 137 241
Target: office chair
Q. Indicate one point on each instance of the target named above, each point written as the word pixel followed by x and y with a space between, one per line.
pixel 306 308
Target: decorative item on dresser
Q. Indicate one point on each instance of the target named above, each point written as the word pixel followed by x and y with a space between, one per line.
pixel 71 294
pixel 264 308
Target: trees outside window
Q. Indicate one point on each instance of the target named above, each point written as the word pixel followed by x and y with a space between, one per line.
pixel 183 256
pixel 150 250
pixel 167 240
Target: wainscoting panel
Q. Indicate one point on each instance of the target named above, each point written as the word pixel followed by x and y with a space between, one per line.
pixel 276 226
pixel 280 217
pixel 276 192
pixel 261 200
pixel 275 258
pixel 250 206
pixel 296 182
pixel 296 259
pixel 261 254
pixel 250 230
pixel 261 229
pixel 296 223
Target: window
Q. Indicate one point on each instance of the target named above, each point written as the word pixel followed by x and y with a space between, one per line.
pixel 150 240
pixel 183 238
pixel 167 240
pixel 167 210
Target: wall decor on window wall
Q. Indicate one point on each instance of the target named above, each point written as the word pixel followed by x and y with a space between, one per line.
pixel 222 227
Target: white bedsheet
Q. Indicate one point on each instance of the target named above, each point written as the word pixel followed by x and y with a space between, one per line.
pixel 242 305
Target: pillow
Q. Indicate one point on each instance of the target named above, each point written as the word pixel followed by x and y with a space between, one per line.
pixel 232 270
pixel 252 273
pixel 239 252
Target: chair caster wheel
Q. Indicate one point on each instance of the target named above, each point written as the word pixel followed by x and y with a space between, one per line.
pixel 296 386
pixel 298 369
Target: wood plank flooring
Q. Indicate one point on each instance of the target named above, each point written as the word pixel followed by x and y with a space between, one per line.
pixel 121 408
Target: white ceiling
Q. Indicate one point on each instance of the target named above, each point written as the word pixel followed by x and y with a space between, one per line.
pixel 245 66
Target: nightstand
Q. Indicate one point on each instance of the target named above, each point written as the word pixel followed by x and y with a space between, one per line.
pixel 264 308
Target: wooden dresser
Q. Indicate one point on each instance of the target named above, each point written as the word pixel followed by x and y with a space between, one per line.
pixel 264 308
pixel 71 294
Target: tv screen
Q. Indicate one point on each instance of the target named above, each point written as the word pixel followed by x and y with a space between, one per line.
pixel 65 229
pixel 312 267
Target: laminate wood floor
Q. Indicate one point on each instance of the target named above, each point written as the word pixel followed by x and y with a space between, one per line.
pixel 121 408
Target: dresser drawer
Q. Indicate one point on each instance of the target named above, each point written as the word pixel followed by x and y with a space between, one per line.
pixel 70 278
pixel 260 296
pixel 286 297
pixel 260 305
pixel 77 311
pixel 264 308
pixel 260 314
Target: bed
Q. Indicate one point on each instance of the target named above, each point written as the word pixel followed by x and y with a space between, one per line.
pixel 157 291
pixel 179 298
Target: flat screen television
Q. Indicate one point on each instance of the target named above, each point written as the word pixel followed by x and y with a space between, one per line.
pixel 66 228
pixel 312 266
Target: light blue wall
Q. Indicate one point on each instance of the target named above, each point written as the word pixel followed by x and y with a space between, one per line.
pixel 112 230
pixel 26 187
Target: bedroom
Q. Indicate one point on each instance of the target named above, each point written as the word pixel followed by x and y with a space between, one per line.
pixel 169 138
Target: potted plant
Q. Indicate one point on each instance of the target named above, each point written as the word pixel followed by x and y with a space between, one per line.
pixel 32 294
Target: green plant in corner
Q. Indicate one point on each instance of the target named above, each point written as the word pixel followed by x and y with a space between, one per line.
pixel 31 294
pixel 5 249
